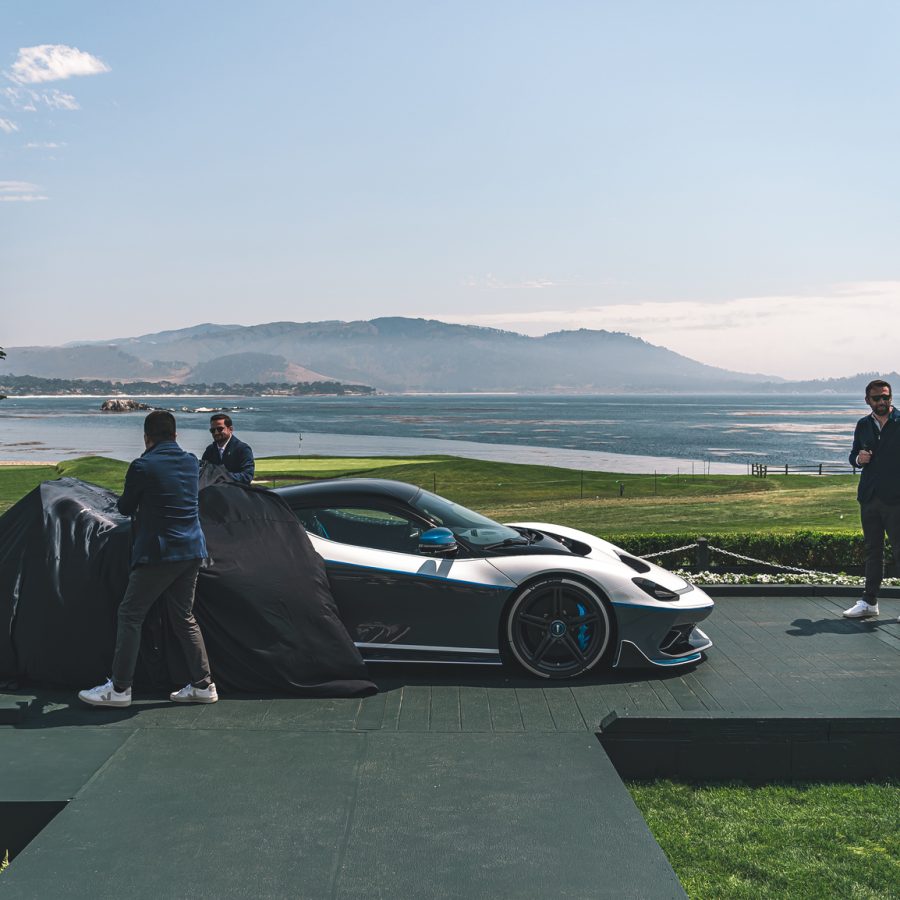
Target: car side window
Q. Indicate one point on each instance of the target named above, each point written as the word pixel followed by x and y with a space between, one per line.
pixel 361 527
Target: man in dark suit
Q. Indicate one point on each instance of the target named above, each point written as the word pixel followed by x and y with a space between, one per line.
pixel 876 450
pixel 226 450
pixel 161 493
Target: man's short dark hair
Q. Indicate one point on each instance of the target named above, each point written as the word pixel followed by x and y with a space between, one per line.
pixel 876 385
pixel 221 417
pixel 160 426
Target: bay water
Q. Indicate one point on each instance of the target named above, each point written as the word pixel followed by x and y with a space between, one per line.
pixel 638 432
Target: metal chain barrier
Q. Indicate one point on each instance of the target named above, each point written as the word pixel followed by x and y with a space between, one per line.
pixel 771 565
pixel 673 550
pixel 750 559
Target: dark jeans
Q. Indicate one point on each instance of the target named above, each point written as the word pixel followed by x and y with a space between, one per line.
pixel 145 585
pixel 877 518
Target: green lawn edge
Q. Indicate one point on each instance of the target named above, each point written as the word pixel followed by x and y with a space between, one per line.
pixel 596 502
pixel 777 841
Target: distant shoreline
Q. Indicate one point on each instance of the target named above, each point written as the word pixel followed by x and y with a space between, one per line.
pixel 585 394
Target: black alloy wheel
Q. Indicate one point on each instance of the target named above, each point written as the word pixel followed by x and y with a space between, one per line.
pixel 558 628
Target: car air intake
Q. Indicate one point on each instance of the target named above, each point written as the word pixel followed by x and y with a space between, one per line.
pixel 677 640
pixel 637 564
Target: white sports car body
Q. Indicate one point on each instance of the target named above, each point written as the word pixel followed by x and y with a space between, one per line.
pixel 419 578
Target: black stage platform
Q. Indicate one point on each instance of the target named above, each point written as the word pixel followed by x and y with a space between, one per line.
pixel 451 782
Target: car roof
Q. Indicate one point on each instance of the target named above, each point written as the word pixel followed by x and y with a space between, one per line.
pixel 349 490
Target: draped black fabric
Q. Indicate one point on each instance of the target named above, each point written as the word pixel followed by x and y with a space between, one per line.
pixel 264 605
pixel 64 562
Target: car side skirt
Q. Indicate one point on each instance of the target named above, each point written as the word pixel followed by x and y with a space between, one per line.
pixel 413 653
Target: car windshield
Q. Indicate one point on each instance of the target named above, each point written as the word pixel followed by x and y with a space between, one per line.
pixel 471 527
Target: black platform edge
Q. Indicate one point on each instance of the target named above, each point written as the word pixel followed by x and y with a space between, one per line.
pixel 12 712
pixel 790 590
pixel 754 747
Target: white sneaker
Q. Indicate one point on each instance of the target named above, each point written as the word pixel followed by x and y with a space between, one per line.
pixel 106 695
pixel 861 610
pixel 191 694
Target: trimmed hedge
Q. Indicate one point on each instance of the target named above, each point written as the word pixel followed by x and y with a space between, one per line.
pixel 821 550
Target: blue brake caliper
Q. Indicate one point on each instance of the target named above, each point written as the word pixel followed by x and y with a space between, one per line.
pixel 583 630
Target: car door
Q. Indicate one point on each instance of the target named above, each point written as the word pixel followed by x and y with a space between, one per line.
pixel 397 602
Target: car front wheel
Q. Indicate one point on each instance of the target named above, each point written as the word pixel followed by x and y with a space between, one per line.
pixel 558 628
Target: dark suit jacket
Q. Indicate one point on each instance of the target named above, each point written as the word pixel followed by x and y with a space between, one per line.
pixel 161 491
pixel 881 477
pixel 238 459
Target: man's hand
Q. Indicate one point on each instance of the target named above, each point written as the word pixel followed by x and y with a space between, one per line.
pixel 864 458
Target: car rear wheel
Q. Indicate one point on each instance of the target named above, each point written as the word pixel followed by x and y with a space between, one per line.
pixel 558 628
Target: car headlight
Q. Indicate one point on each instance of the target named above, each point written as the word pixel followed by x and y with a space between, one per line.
pixel 656 591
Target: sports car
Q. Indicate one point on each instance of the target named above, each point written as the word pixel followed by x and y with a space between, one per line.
pixel 417 577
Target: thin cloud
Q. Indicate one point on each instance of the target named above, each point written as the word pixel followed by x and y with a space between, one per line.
pixel 797 336
pixel 22 198
pixel 490 283
pixel 29 100
pixel 58 100
pixel 8 126
pixel 53 62
pixel 20 192
pixel 44 145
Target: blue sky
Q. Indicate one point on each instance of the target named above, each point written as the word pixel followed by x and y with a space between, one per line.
pixel 720 178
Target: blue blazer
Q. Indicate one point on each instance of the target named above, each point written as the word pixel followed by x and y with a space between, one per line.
pixel 161 492
pixel 237 459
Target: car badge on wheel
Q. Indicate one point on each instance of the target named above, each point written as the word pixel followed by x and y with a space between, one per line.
pixel 557 628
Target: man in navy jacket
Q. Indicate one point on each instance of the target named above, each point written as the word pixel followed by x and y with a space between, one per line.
pixel 226 450
pixel 161 493
pixel 876 450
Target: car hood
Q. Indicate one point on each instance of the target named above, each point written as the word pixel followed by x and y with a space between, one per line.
pixel 590 552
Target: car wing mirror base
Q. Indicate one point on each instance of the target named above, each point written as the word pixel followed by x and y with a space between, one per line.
pixel 437 542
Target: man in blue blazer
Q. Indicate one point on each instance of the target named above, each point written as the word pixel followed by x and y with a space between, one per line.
pixel 226 450
pixel 161 493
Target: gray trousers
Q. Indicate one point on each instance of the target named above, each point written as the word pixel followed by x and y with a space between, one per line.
pixel 146 584
pixel 877 518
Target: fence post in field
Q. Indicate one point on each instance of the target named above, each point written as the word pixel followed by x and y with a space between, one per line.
pixel 701 557
pixel 820 468
pixel 785 468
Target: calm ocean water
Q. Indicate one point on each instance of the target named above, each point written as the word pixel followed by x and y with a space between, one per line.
pixel 618 433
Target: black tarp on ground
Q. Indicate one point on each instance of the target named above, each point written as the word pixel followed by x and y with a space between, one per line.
pixel 264 605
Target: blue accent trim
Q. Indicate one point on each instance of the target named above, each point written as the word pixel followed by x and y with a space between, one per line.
pixel 677 662
pixel 494 587
pixel 583 630
pixel 674 607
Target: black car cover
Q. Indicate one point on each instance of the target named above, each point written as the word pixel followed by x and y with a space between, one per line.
pixel 264 604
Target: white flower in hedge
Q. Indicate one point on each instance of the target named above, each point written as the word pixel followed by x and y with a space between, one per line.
pixel 821 578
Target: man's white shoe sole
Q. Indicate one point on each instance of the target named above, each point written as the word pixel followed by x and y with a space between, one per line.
pixel 112 704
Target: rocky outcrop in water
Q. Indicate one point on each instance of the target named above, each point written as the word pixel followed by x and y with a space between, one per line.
pixel 123 404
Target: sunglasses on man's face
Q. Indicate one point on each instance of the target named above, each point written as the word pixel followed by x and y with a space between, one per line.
pixel 879 397
pixel 216 429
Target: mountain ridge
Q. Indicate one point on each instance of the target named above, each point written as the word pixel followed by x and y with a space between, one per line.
pixel 392 353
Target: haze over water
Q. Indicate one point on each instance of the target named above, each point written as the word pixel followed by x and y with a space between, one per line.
pixel 620 433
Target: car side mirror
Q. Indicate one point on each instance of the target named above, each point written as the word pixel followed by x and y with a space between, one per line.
pixel 437 542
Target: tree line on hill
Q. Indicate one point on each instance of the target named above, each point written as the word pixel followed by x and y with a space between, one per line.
pixel 19 385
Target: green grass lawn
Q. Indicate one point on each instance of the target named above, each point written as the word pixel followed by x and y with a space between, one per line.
pixel 793 841
pixel 509 492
